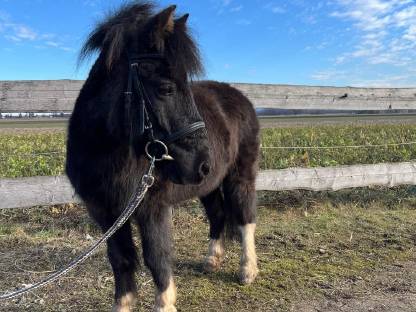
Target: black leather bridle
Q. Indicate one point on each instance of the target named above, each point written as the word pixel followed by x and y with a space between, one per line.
pixel 155 148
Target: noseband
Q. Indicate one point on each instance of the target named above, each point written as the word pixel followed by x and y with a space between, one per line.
pixel 135 87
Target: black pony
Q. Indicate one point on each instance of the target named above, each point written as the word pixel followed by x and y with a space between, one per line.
pixel 110 128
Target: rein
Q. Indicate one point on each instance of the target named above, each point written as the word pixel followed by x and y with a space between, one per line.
pixel 156 150
pixel 147 182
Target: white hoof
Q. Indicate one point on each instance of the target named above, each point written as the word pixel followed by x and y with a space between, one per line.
pixel 248 273
pixel 165 302
pixel 212 264
pixel 215 256
pixel 170 308
pixel 125 303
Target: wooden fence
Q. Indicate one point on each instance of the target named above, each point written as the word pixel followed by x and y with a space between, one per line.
pixel 60 95
pixel 40 191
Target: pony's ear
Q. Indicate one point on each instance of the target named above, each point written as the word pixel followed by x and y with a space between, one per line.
pixel 180 23
pixel 164 22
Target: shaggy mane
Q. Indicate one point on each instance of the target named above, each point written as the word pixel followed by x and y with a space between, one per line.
pixel 111 36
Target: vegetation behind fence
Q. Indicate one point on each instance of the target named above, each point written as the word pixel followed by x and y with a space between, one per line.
pixel 24 154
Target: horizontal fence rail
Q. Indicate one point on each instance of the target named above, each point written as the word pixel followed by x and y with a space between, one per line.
pixel 41 191
pixel 36 191
pixel 337 178
pixel 60 95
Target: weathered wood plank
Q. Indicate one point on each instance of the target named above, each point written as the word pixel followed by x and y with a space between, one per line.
pixel 60 95
pixel 55 104
pixel 28 192
pixel 43 94
pixel 338 178
pixel 37 191
pixel 40 85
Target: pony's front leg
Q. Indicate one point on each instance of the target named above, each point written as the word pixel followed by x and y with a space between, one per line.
pixel 123 259
pixel 155 228
pixel 122 255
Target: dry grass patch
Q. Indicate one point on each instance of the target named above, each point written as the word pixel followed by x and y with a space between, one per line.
pixel 308 245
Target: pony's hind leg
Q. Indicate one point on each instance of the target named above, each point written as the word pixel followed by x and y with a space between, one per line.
pixel 214 206
pixel 240 198
pixel 155 229
pixel 123 259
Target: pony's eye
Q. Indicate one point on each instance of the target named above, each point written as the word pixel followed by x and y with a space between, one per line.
pixel 146 69
pixel 167 89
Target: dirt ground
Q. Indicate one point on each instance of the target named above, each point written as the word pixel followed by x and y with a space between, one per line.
pixel 391 289
pixel 347 251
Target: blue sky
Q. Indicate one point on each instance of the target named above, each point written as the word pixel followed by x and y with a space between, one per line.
pixel 331 42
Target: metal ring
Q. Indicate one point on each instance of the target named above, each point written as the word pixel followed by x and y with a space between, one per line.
pixel 165 156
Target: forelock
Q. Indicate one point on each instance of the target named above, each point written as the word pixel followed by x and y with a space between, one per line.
pixel 111 34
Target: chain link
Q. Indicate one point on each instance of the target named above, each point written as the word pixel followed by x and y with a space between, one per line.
pixel 146 182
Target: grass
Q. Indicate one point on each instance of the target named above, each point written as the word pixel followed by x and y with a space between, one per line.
pixel 24 154
pixel 307 244
pixel 27 154
pixel 328 136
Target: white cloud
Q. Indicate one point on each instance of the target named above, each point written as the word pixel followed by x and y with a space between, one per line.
pixel 410 34
pixel 394 81
pixel 243 22
pixel 222 6
pixel 350 78
pixel 236 9
pixel 12 38
pixel 20 33
pixel 52 44
pixel 274 8
pixel 91 3
pixel 327 75
pixel 386 28
pixel 25 33
pixel 277 9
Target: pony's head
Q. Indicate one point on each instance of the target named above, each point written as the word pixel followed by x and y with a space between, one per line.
pixel 136 30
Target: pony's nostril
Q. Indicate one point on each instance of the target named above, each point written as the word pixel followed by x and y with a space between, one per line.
pixel 204 169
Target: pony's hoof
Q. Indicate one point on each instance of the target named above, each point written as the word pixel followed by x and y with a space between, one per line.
pixel 212 264
pixel 170 308
pixel 248 274
pixel 118 308
pixel 125 303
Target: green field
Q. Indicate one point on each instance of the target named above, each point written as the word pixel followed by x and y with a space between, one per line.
pixel 37 153
pixel 266 122
pixel 57 123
